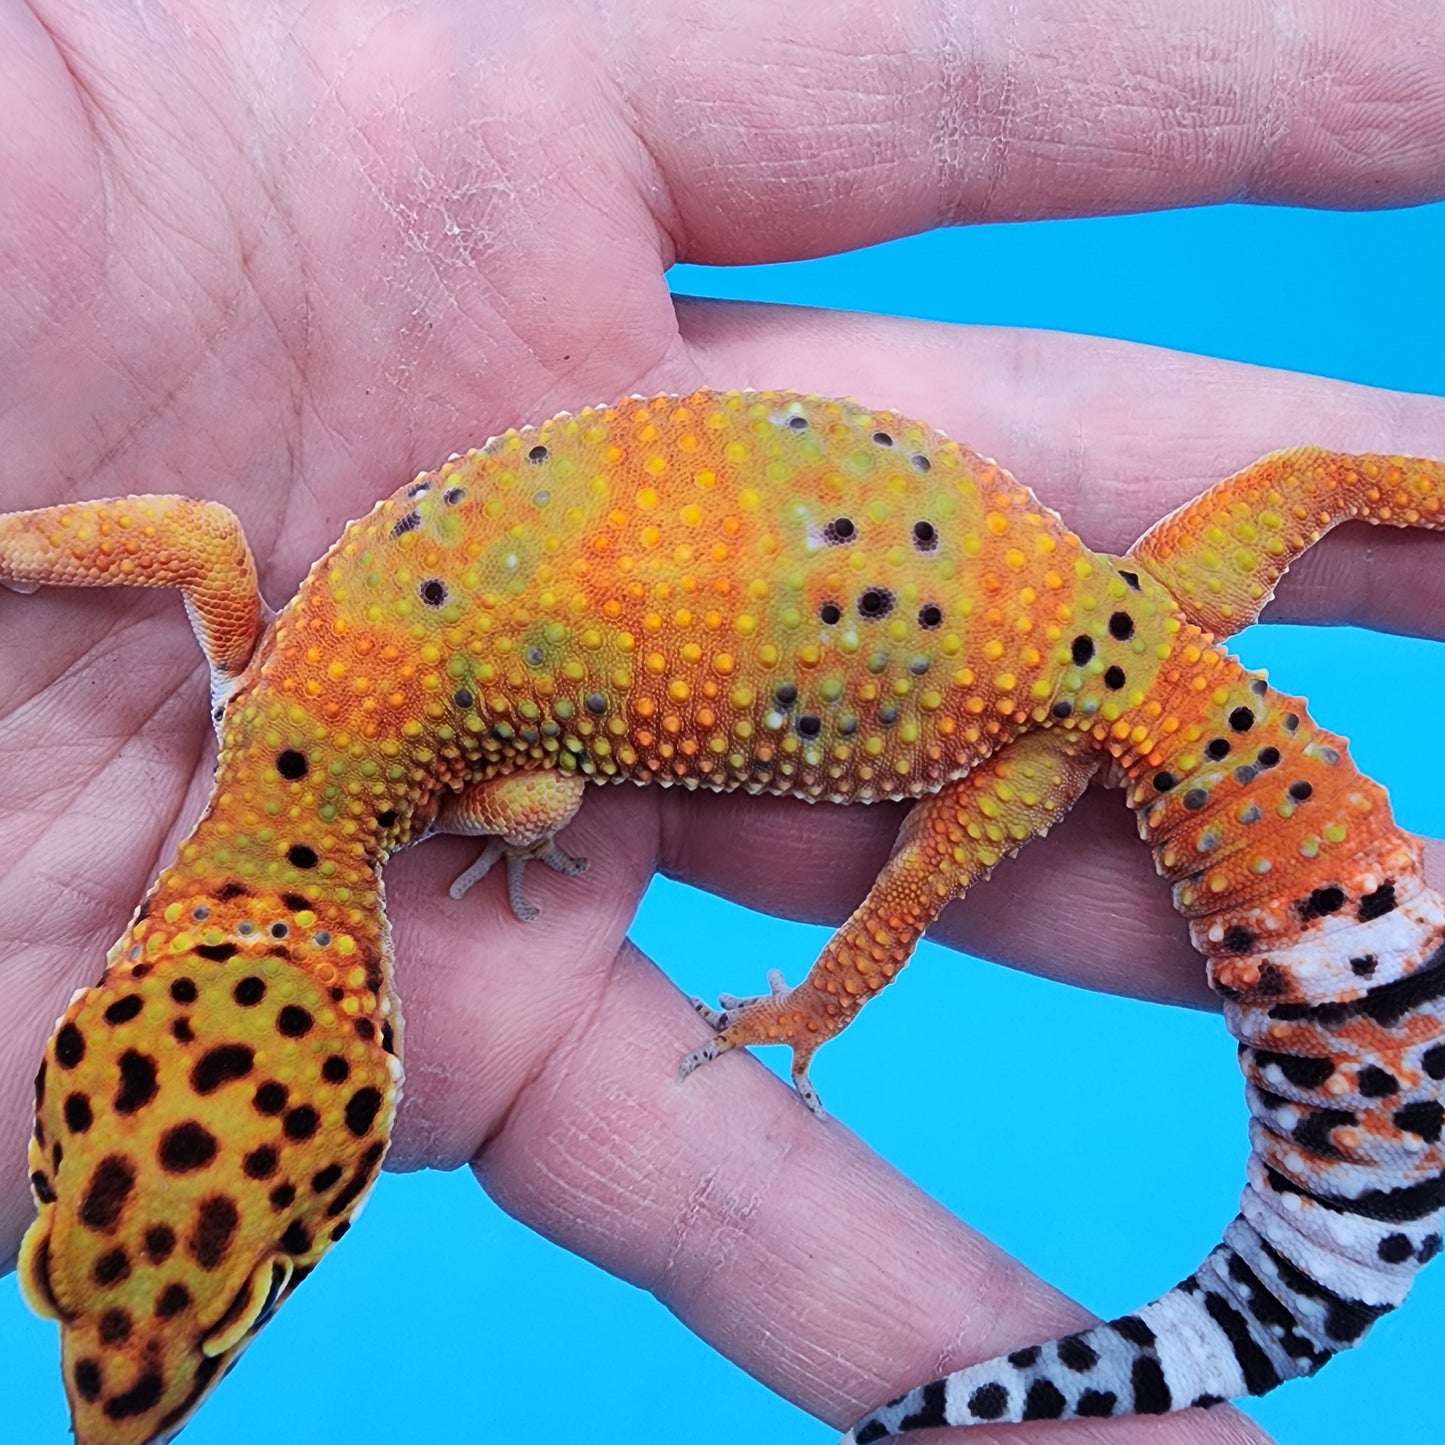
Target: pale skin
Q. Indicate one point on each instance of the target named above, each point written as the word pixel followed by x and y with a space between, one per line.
pixel 286 264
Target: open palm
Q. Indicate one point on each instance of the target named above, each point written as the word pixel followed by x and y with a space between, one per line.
pixel 285 262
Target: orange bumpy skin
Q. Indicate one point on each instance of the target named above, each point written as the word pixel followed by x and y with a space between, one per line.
pixel 746 590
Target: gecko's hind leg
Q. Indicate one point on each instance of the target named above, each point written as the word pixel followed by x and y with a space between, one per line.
pixel 951 840
pixel 1223 554
pixel 519 814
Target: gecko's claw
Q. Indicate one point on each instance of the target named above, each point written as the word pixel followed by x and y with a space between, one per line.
pixel 517 857
pixel 756 1020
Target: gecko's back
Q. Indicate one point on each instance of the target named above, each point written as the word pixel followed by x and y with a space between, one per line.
pixel 756 590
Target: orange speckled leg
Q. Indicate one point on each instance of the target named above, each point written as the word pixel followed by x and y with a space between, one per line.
pixel 950 841
pixel 1223 554
pixel 521 812
pixel 196 547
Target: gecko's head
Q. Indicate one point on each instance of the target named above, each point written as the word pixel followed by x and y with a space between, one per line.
pixel 192 1162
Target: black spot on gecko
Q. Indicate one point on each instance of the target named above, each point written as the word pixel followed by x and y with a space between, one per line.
pixel 1114 678
pixel 1062 709
pixel 1423 1118
pixel 1044 1401
pixel 433 592
pixel 1151 1391
pixel 293 1022
pixel 829 613
pixel 1097 1404
pixel 987 1402
pixel 1195 799
pixel 298 855
pixel 1321 902
pixel 215 953
pixel 1238 938
pixel 160 1240
pixel 115 1327
pixel 1302 1071
pixel 361 1110
pixel 87 1379
pixel 809 725
pixel 925 536
pixel 1082 649
pixel 407 523
pixel 464 700
pixel 1121 626
pixel 453 495
pixel 1377 904
pixel 840 531
pixel 1365 966
pixel 111 1268
pixel 785 694
pixel 418 489
pixel 920 463
pixel 386 818
pixel 875 603
pixel 221 1065
pixel 930 615
pixel 1300 791
pixel 260 1163
pixel 171 1301
pixel 283 1196
pixel 123 1010
pixel 296 1239
pixel 292 765
pixel 106 1195
pixel 1076 1354
pixel 249 991
pixel 301 1123
pixel 182 1032
pixel 239 890
pixel 1241 719
pixel 1216 749
pixel 40 1183
pixel 78 1114
pixel 137 1082
pixel 1433 1061
pixel 323 1179
pixel 184 1148
pixel 537 455
pixel 1395 1248
pixel 215 1228
pixel 1267 757
pixel 1131 579
pixel 1164 782
pixel 882 439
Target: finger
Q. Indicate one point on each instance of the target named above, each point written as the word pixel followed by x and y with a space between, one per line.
pixel 1111 434
pixel 780 138
pixel 808 1261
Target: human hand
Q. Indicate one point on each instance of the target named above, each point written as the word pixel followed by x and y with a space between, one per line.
pixel 286 268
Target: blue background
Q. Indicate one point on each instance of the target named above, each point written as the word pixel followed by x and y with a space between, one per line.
pixel 404 1336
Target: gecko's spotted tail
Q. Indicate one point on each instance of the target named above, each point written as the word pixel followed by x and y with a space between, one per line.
pixel 1242 1323
pixel 1344 1204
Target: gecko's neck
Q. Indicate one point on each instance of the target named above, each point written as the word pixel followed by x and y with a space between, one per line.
pixel 245 901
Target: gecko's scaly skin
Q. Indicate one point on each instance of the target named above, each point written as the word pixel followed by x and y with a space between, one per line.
pixel 759 591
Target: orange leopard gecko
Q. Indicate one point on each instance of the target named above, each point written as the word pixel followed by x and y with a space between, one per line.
pixel 731 590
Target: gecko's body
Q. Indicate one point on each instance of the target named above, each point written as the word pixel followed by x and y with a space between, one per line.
pixel 757 591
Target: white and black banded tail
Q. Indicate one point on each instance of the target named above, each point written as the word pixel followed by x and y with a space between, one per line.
pixel 1344 1204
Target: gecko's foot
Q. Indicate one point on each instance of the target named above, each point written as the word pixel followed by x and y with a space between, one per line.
pixel 770 1018
pixel 517 857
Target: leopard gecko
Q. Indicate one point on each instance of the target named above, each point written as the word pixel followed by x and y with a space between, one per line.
pixel 743 590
